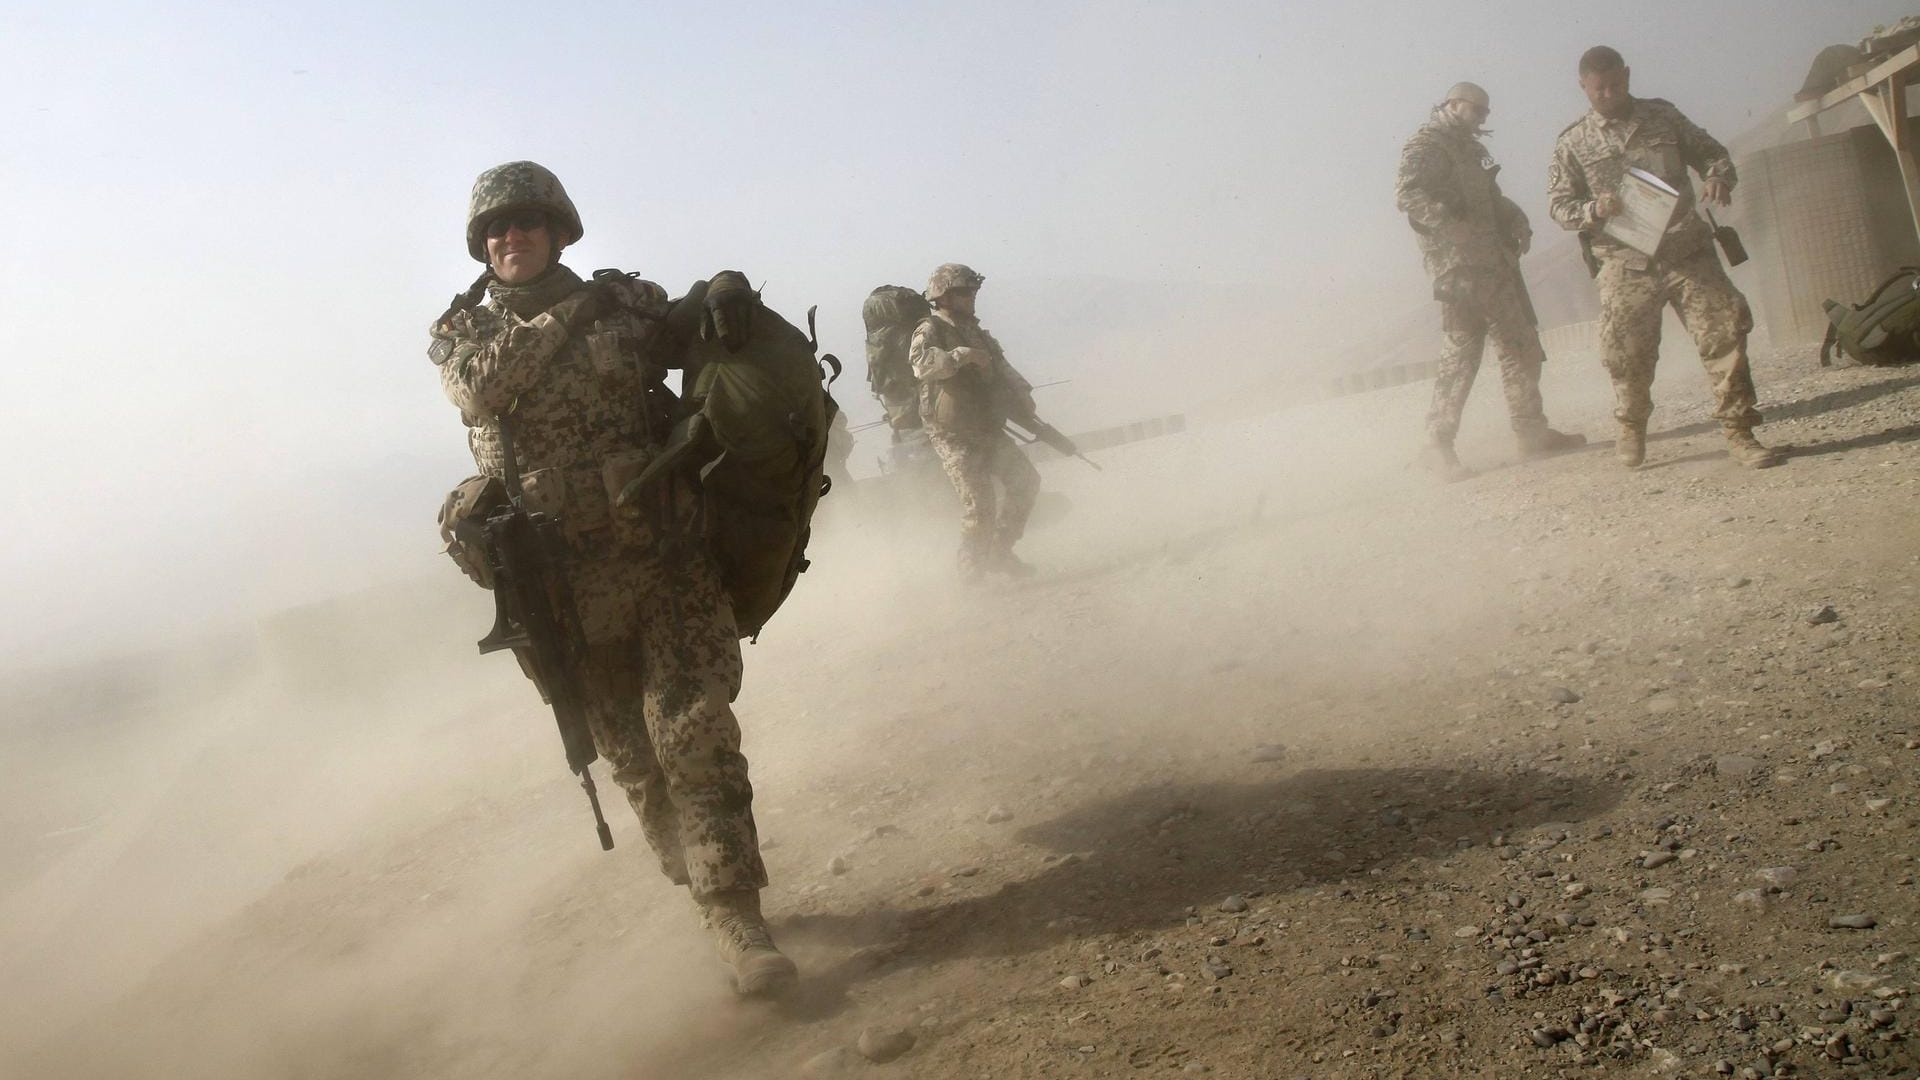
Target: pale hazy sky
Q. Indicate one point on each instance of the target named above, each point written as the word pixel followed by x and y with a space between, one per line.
pixel 233 222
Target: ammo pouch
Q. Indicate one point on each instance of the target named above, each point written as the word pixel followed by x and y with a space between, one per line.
pixel 463 519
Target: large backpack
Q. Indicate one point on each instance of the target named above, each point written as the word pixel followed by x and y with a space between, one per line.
pixel 891 312
pixel 755 428
pixel 1884 330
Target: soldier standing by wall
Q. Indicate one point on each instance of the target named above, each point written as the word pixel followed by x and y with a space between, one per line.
pixel 1583 183
pixel 560 367
pixel 967 392
pixel 1472 238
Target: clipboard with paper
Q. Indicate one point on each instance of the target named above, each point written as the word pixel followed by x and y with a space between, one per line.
pixel 1647 205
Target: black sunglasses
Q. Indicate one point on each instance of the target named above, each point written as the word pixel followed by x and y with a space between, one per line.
pixel 524 220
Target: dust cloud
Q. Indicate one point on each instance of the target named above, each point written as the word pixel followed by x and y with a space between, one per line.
pixel 344 844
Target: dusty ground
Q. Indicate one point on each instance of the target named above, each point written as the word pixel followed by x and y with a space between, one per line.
pixel 1289 764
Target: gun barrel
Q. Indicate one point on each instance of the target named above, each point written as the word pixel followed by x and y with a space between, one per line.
pixel 593 800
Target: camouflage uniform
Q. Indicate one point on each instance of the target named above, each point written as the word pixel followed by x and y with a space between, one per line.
pixel 1589 160
pixel 663 654
pixel 1470 235
pixel 965 412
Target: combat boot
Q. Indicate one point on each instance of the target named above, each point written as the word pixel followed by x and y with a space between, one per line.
pixel 740 937
pixel 1543 441
pixel 1006 562
pixel 1632 444
pixel 1747 450
pixel 1439 459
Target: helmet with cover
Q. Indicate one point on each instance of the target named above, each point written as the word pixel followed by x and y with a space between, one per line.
pixel 519 185
pixel 1471 93
pixel 951 276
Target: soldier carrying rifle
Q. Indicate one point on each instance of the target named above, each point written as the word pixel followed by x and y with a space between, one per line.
pixel 968 394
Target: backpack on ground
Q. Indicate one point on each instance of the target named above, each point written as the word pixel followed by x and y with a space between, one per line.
pixel 1884 330
pixel 891 313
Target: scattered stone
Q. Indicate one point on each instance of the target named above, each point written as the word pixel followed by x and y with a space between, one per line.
pixel 1234 904
pixel 1466 932
pixel 1662 703
pixel 881 1045
pixel 838 865
pixel 1853 922
pixel 1656 896
pixel 999 814
pixel 1074 982
pixel 1779 877
pixel 1877 805
pixel 1736 766
pixel 1739 582
pixel 1855 981
pixel 1657 859
pixel 1560 695
pixel 1824 615
pixel 965 871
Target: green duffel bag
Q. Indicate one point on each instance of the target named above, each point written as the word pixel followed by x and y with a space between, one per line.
pixel 1885 330
pixel 754 432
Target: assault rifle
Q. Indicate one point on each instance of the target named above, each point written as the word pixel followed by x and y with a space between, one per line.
pixel 534 615
pixel 1039 430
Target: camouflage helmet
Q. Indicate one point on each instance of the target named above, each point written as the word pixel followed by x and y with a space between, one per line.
pixel 951 276
pixel 518 185
pixel 1471 93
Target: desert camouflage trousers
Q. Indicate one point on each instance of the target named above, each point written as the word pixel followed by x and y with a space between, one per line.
pixel 662 671
pixel 1632 303
pixel 1498 311
pixel 989 521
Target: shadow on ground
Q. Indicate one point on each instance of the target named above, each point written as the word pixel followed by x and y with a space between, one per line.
pixel 1136 862
pixel 1832 401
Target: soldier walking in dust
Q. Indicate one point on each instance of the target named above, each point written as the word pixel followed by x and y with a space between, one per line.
pixel 1583 184
pixel 1472 238
pixel 553 372
pixel 967 393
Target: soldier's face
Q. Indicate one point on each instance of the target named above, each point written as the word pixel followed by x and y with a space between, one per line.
pixel 1468 114
pixel 520 253
pixel 1607 92
pixel 959 301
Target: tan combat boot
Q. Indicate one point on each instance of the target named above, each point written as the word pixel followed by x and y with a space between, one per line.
pixel 1632 444
pixel 1439 459
pixel 740 937
pixel 1747 450
pixel 1542 441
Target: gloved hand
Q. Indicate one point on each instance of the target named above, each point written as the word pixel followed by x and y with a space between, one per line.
pixel 729 315
pixel 967 355
pixel 579 308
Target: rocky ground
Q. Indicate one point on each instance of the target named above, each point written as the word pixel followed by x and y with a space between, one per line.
pixel 1289 764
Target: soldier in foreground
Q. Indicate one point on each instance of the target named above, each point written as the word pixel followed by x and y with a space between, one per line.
pixel 551 378
pixel 1583 184
pixel 1472 238
pixel 968 392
